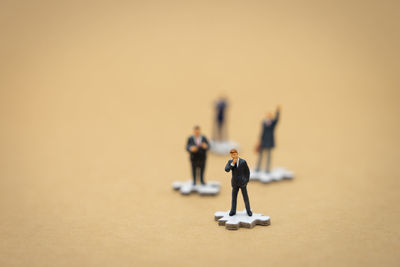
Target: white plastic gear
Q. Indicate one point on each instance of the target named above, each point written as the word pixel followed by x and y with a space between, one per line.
pixel 241 219
pixel 222 147
pixel 187 187
pixel 276 174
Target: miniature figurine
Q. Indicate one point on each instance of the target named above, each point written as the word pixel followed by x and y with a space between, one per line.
pixel 266 145
pixel 197 146
pixel 220 143
pixel 240 178
pixel 267 142
pixel 220 109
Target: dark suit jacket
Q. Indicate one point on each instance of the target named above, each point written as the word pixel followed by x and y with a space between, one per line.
pixel 201 153
pixel 221 106
pixel 240 174
pixel 267 136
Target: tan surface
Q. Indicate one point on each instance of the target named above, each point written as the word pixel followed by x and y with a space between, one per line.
pixel 97 100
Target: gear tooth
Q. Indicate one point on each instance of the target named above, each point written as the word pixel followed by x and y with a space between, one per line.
pixel 276 174
pixel 241 219
pixel 187 187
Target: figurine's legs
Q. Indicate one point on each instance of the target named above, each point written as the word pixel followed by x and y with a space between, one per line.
pixel 259 159
pixel 194 171
pixel 220 125
pixel 202 167
pixel 268 160
pixel 246 200
pixel 224 132
pixel 235 191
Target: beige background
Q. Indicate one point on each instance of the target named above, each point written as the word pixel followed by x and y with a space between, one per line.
pixel 97 100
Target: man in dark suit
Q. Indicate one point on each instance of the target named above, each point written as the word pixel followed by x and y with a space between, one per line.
pixel 240 178
pixel 220 120
pixel 197 146
pixel 267 142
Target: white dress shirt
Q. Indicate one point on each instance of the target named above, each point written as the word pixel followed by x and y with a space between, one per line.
pixel 237 163
pixel 268 122
pixel 198 140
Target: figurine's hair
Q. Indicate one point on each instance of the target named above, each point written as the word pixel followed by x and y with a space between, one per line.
pixel 197 127
pixel 233 150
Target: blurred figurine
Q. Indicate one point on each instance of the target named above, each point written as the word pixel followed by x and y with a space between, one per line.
pixel 265 146
pixel 220 143
pixel 197 146
pixel 267 142
pixel 220 109
pixel 240 178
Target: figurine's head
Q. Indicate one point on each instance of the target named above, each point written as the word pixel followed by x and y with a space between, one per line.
pixel 196 130
pixel 222 97
pixel 234 153
pixel 269 115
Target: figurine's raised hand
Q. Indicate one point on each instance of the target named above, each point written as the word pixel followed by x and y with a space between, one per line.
pixel 204 145
pixel 234 161
pixel 193 149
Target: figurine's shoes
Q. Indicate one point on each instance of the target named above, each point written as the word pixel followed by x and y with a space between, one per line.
pixel 241 219
pixel 222 147
pixel 249 213
pixel 210 188
pixel 276 174
pixel 232 212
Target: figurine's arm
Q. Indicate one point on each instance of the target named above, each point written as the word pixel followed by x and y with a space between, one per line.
pixel 258 145
pixel 206 142
pixel 262 132
pixel 228 166
pixel 278 111
pixel 246 171
pixel 189 144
